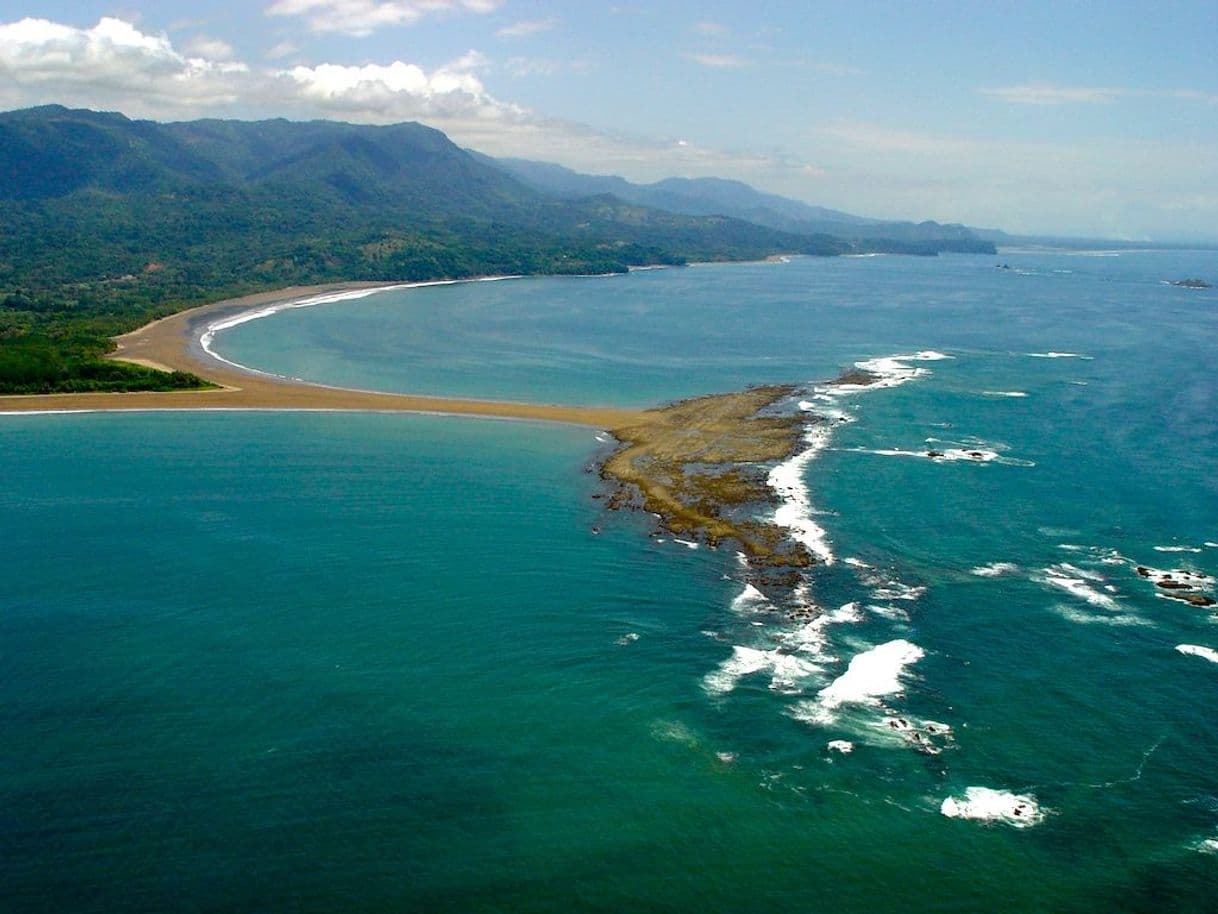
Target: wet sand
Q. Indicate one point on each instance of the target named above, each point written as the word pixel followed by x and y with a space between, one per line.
pixel 173 344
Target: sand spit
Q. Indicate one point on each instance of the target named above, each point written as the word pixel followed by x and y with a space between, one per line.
pixel 173 343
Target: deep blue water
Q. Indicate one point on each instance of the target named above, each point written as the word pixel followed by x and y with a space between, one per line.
pixel 322 661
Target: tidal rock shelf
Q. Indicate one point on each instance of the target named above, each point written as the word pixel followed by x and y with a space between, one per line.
pixel 701 466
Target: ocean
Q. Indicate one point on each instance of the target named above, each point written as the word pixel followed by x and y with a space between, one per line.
pixel 327 661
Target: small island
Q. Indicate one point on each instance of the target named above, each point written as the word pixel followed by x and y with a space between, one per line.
pixel 1189 283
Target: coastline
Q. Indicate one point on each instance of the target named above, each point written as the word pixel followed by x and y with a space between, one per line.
pixel 176 343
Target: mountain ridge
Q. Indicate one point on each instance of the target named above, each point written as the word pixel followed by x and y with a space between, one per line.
pixel 721 196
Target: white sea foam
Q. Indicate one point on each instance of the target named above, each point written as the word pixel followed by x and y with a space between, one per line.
pixel 674 731
pixel 887 611
pixel 1078 583
pixel 1191 580
pixel 787 671
pixel 1197 650
pixel 870 676
pixel 207 338
pixel 813 636
pixel 750 600
pixel 795 511
pixel 893 370
pixel 895 590
pixel 920 736
pixel 987 805
pixel 995 569
pixel 1113 619
pixel 628 638
pixel 688 544
pixel 883 587
pixel 971 454
pixel 787 479
pixel 1057 355
pixel 1178 549
pixel 844 746
pixel 1004 393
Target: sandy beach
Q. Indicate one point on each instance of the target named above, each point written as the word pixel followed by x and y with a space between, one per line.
pixel 174 343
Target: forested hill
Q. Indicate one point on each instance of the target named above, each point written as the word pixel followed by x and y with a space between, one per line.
pixel 107 222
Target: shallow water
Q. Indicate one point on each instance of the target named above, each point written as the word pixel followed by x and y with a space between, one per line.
pixel 322 661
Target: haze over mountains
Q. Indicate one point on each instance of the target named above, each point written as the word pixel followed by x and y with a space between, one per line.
pixel 719 196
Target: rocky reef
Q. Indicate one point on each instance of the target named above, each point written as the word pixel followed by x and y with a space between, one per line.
pixel 699 464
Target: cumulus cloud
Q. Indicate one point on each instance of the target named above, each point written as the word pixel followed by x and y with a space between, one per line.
pixel 106 63
pixel 363 17
pixel 115 65
pixel 401 90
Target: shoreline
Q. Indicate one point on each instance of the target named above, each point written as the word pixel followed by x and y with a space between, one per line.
pixel 177 343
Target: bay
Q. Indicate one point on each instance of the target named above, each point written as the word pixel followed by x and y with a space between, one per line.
pixel 308 661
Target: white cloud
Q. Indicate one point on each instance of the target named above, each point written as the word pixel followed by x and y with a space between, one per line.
pixel 106 64
pixel 717 61
pixel 532 66
pixel 710 28
pixel 1044 94
pixel 363 17
pixel 526 28
pixel 114 65
pixel 1049 94
pixel 281 50
pixel 213 48
pixel 401 90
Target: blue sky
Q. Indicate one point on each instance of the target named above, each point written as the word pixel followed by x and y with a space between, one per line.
pixel 1072 118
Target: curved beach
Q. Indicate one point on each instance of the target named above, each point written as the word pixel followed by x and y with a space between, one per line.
pixel 175 343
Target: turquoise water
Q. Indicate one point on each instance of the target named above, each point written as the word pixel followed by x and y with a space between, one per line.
pixel 315 662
